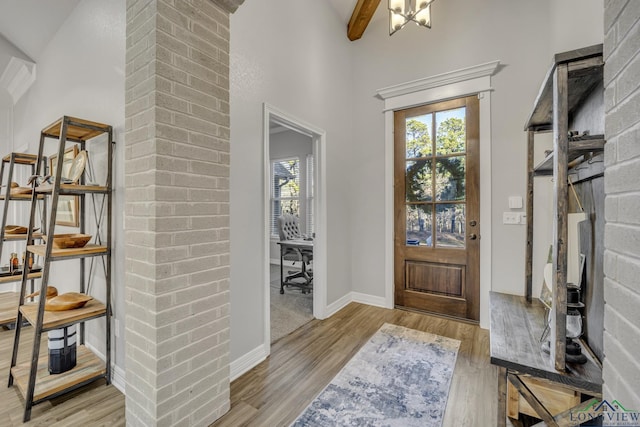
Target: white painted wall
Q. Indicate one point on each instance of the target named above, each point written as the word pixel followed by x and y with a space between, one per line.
pixel 7 51
pixel 292 54
pixel 81 74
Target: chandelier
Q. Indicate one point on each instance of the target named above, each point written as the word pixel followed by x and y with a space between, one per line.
pixel 403 11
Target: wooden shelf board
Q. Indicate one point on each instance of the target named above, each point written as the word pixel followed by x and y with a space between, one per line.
pixel 57 319
pixel 88 367
pixel 8 307
pixel 75 130
pixel 89 249
pixel 585 72
pixel 18 277
pixel 20 197
pixel 19 237
pixel 515 331
pixel 21 158
pixel 71 189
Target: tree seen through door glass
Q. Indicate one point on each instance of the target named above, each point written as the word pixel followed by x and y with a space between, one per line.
pixel 418 181
pixel 419 224
pixel 451 131
pixel 450 178
pixel 418 136
pixel 450 225
pixel 433 176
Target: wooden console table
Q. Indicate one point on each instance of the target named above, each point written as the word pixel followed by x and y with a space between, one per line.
pixel 515 331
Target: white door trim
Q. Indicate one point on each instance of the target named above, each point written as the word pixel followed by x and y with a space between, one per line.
pixel 456 84
pixel 318 137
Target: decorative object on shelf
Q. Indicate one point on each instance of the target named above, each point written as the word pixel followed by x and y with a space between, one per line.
pixel 67 213
pixel 401 12
pixel 62 349
pixel 573 246
pixel 14 262
pixel 65 241
pixel 67 301
pixel 574 330
pixel 52 291
pixel 20 190
pixel 77 167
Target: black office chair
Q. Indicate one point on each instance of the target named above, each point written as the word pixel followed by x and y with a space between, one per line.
pixel 289 230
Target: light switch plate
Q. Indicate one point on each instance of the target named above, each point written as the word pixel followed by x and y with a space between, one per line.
pixel 511 218
pixel 515 202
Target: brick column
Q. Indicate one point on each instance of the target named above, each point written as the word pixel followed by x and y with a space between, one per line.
pixel 621 368
pixel 177 211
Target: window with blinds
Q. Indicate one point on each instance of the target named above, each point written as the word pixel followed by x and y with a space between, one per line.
pixel 285 190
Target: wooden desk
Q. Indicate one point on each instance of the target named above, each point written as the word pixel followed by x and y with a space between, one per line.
pixel 515 331
pixel 299 245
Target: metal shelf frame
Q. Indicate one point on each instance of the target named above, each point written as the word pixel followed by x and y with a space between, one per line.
pixel 78 131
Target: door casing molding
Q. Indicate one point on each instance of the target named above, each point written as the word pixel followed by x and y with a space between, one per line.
pixel 318 137
pixel 455 84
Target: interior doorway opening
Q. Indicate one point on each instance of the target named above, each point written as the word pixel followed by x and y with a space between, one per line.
pixel 294 185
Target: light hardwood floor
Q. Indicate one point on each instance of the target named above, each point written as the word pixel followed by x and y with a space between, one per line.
pixel 301 364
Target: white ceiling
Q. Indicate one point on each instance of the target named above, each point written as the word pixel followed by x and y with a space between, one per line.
pixel 344 8
pixel 31 24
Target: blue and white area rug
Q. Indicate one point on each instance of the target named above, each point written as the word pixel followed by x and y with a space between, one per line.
pixel 399 378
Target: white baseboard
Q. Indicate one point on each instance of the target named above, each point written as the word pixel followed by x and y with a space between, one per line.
pixel 248 361
pixel 118 378
pixel 369 299
pixel 338 305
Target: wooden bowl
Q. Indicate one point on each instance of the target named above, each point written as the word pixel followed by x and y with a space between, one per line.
pixel 15 229
pixel 68 301
pixel 20 190
pixel 65 241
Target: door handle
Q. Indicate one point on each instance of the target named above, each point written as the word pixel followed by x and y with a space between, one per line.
pixel 472 237
pixel 473 223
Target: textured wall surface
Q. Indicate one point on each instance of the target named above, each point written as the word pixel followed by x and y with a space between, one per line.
pixel 622 203
pixel 177 212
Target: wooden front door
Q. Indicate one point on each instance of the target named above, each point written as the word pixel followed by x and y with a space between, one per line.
pixel 437 208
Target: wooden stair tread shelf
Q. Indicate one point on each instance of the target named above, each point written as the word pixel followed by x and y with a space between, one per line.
pixel 17 278
pixel 71 189
pixel 8 304
pixel 57 319
pixel 33 379
pixel 13 236
pixel 570 90
pixel 88 367
pixel 21 158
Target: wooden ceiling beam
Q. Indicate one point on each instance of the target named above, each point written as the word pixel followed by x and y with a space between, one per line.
pixel 362 14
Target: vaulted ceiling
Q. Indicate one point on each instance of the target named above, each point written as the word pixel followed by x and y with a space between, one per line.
pixel 30 24
pixel 356 14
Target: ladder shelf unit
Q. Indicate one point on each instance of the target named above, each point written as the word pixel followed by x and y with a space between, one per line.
pixel 32 378
pixel 567 91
